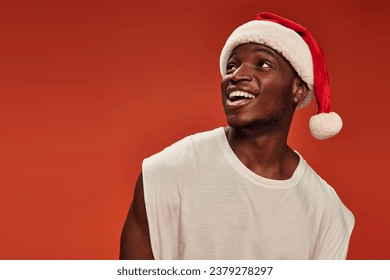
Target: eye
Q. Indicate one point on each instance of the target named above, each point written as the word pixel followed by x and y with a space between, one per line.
pixel 263 64
pixel 230 67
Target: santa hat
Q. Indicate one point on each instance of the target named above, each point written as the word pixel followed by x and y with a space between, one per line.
pixel 294 43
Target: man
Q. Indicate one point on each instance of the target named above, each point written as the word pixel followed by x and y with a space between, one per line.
pixel 241 192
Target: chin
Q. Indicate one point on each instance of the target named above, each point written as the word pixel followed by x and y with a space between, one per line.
pixel 254 124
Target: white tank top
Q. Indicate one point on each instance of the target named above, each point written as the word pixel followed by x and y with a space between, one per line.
pixel 203 203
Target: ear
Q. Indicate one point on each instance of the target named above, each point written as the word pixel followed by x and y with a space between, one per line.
pixel 300 90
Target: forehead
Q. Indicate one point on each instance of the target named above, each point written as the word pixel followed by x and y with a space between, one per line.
pixel 255 48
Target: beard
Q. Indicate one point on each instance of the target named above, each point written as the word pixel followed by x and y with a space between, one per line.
pixel 278 118
pixel 257 125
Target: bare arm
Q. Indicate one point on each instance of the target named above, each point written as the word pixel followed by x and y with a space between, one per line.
pixel 135 240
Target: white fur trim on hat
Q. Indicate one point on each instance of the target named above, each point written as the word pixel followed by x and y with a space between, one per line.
pixel 283 40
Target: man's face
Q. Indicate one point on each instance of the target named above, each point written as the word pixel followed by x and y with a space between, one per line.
pixel 257 89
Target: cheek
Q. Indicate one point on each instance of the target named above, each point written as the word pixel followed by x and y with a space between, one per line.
pixel 224 84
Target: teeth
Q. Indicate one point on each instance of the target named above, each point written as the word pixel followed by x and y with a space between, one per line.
pixel 241 93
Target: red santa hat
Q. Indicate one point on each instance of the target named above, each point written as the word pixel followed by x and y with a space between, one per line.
pixel 294 43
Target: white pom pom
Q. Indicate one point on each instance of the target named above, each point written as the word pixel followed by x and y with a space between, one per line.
pixel 325 125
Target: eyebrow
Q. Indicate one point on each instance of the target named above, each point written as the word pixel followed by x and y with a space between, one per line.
pixel 272 53
pixel 260 49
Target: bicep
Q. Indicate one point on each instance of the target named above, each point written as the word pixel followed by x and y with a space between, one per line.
pixel 135 240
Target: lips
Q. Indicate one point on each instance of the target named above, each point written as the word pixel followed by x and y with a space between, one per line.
pixel 239 98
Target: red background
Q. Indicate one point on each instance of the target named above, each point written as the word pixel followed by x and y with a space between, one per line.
pixel 90 88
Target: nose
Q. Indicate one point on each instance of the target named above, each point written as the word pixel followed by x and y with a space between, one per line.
pixel 242 73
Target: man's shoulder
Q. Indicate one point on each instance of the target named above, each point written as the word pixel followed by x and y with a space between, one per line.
pixel 315 184
pixel 322 193
pixel 184 149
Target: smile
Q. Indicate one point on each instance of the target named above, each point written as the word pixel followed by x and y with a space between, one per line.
pixel 237 98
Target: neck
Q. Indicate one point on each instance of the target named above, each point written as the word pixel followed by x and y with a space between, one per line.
pixel 266 154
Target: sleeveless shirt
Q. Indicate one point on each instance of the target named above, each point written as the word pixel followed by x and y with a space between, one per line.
pixel 202 202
